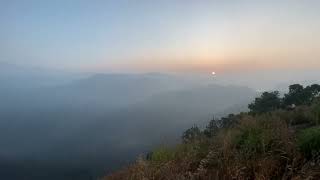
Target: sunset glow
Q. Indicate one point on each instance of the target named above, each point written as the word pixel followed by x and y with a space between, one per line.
pixel 162 36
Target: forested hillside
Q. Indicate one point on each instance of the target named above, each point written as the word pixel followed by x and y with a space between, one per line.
pixel 279 138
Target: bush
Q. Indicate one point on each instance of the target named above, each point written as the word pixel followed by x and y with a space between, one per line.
pixel 191 134
pixel 163 154
pixel 253 140
pixel 302 115
pixel 309 141
pixel 261 135
pixel 250 140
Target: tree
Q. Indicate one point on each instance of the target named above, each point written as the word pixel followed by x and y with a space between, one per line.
pixel 295 89
pixel 295 95
pixel 228 121
pixel 211 128
pixel 313 91
pixel 268 101
pixel 191 134
pixel 299 95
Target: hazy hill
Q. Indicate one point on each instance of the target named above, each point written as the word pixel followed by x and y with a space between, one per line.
pixel 104 121
pixel 14 76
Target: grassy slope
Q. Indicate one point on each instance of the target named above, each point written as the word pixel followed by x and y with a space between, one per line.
pixel 277 145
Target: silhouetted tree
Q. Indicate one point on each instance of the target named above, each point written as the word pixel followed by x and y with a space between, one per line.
pixel 228 121
pixel 313 92
pixel 299 95
pixel 268 101
pixel 294 96
pixel 191 134
pixel 211 128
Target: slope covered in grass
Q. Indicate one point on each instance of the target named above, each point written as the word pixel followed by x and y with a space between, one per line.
pixel 278 139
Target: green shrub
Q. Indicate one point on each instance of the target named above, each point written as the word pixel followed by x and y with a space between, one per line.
pixel 250 140
pixel 163 154
pixel 255 137
pixel 309 141
pixel 302 116
pixel 191 134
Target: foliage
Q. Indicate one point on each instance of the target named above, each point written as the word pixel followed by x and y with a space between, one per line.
pixel 271 142
pixel 217 124
pixel 212 128
pixel 191 134
pixel 250 140
pixel 299 95
pixel 301 115
pixel 162 154
pixel 269 101
pixel 229 121
pixel 309 141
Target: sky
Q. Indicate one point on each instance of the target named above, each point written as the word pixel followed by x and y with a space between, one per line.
pixel 162 36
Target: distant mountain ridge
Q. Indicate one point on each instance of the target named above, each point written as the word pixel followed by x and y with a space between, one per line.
pixel 19 76
pixel 103 121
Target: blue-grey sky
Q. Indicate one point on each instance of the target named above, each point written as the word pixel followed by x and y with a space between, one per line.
pixel 161 35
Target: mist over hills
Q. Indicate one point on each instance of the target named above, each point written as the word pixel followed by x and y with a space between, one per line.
pixel 98 123
pixel 17 77
pixel 92 124
pixel 264 80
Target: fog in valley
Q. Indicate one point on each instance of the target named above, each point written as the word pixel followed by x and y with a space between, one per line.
pixel 82 125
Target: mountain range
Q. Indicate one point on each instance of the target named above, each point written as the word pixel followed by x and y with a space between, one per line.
pixel 96 123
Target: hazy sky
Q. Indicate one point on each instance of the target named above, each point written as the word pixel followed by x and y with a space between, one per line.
pixel 185 35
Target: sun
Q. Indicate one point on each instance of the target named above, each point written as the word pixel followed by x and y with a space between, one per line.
pixel 213 73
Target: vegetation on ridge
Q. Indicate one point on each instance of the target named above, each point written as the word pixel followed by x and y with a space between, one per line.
pixel 278 139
